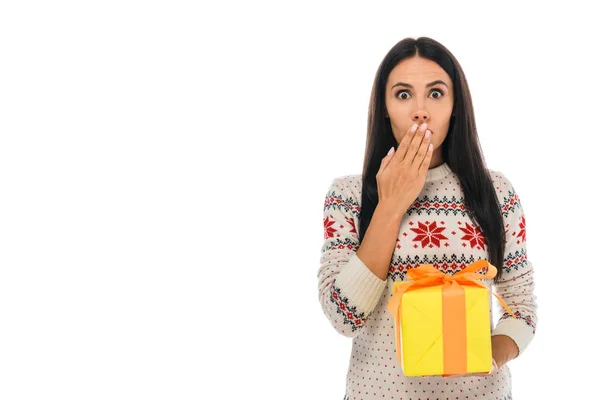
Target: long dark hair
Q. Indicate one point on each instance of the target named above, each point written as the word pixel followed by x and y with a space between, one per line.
pixel 460 150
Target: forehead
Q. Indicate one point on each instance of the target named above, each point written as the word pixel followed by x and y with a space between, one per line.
pixel 418 71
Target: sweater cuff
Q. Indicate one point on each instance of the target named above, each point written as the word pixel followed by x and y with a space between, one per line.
pixel 517 330
pixel 362 287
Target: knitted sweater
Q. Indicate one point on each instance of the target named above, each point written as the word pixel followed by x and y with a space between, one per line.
pixel 435 230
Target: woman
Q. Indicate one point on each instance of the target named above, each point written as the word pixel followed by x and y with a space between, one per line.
pixel 424 196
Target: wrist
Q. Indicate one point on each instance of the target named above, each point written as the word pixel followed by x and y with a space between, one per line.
pixel 504 349
pixel 389 211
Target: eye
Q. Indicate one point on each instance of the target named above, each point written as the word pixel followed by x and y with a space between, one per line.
pixel 400 93
pixel 437 91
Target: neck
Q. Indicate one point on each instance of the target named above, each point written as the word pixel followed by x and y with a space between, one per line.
pixel 436 158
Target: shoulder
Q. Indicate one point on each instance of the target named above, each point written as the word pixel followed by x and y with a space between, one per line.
pixel 500 181
pixel 350 184
pixel 507 196
pixel 345 191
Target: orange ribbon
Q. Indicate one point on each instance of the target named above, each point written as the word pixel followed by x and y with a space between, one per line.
pixel 453 306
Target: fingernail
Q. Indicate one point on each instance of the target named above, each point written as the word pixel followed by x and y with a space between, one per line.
pixel 414 128
pixel 424 126
pixel 391 151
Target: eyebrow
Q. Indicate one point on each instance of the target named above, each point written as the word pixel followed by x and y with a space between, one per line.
pixel 411 86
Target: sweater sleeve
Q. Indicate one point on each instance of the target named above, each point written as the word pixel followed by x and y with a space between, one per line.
pixel 348 290
pixel 516 286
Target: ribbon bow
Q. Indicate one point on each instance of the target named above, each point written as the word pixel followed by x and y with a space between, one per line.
pixel 428 275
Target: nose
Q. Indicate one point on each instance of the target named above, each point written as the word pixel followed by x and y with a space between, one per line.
pixel 420 116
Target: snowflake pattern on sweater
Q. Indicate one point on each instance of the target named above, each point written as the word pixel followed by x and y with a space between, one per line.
pixel 437 230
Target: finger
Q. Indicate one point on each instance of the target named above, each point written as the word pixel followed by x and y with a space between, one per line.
pixel 422 150
pixel 415 143
pixel 426 159
pixel 468 375
pixel 405 142
pixel 385 161
pixel 480 374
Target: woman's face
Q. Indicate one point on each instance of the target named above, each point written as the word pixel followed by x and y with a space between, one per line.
pixel 419 90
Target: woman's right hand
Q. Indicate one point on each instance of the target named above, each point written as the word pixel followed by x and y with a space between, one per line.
pixel 402 173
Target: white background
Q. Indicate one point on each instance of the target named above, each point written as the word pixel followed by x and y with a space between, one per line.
pixel 163 167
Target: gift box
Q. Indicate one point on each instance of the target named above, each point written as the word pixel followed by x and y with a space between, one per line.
pixel 442 321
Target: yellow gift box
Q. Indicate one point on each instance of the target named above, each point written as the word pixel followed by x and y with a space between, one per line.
pixel 442 321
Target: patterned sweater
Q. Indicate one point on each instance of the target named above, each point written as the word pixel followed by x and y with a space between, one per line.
pixel 435 230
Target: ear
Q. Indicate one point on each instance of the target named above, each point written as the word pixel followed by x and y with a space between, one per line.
pixel 386 114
